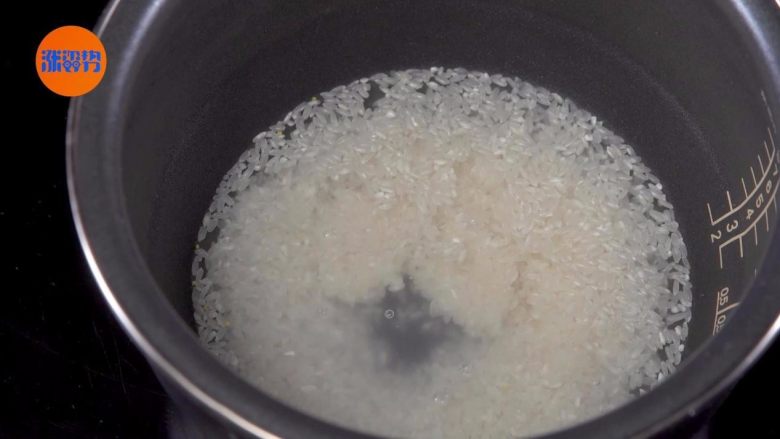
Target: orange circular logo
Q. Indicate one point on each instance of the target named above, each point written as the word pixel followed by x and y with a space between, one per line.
pixel 71 61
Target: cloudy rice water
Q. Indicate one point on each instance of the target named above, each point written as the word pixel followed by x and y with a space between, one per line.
pixel 443 254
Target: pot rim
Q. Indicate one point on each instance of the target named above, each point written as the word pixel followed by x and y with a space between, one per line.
pixel 103 229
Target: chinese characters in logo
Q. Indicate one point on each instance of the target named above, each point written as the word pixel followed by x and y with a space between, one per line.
pixel 70 61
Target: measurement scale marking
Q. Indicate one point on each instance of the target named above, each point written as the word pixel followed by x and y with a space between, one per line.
pixel 718 321
pixel 721 311
pixel 757 185
pixel 739 236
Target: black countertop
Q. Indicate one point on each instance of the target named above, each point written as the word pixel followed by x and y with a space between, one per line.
pixel 67 369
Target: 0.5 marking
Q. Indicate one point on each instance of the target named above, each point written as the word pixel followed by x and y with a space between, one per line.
pixel 723 304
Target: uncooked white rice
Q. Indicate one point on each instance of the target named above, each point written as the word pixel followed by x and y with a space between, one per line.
pixel 525 222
